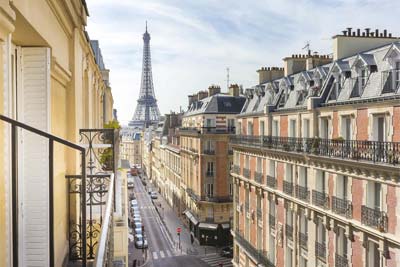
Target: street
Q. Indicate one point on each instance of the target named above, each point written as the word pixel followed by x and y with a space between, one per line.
pixel 163 250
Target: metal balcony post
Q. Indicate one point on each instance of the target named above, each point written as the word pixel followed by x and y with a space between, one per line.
pixel 14 173
pixel 51 201
pixel 83 207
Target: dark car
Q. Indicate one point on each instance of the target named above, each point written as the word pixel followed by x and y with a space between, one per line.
pixel 227 252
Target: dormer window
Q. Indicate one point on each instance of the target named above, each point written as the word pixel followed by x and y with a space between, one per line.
pixel 391 78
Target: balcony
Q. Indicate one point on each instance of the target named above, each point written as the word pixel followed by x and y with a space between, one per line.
pixel 271 221
pixel 209 151
pixel 372 151
pixel 288 188
pixel 271 181
pixel 194 131
pixel 320 199
pixel 236 169
pixel 302 193
pixel 342 207
pixel 289 231
pixel 258 177
pixel 259 255
pixel 374 218
pixel 303 240
pixel 246 173
pixel 341 261
pixel 320 250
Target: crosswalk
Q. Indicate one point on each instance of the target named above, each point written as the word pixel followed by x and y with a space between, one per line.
pixel 214 260
pixel 162 254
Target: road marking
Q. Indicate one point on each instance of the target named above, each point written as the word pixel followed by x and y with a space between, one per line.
pixel 155 255
pixel 162 254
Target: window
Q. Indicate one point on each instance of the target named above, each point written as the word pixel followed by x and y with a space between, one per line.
pixel 289 173
pixel 306 128
pixel 320 181
pixel 303 178
pixel 231 124
pixel 239 128
pixel 210 190
pixel 209 145
pixel 321 231
pixel 303 262
pixel 210 168
pixel 275 128
pixel 271 169
pixel 262 128
pixel 346 128
pixel 249 128
pixel 289 217
pixel 210 212
pixel 289 257
pixel 292 130
pixel 247 162
pixel 341 243
pixel 341 187
pixel 374 193
pixel 259 165
pixel 271 254
pixel 324 128
pixel 209 122
pixel 372 255
pixel 379 128
pixel 396 75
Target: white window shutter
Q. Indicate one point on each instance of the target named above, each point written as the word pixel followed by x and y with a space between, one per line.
pixel 34 110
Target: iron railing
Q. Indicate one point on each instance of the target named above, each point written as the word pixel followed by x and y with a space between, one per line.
pixel 259 255
pixel 246 173
pixel 320 199
pixel 302 193
pixel 374 151
pixel 52 139
pixel 258 177
pixel 209 151
pixel 217 199
pixel 342 206
pixel 303 240
pixel 207 130
pixel 374 218
pixel 288 187
pixel 341 261
pixel 320 250
pixel 105 249
pixel 289 231
pixel 271 181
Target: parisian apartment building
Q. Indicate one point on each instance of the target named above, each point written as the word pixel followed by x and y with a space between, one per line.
pixel 316 158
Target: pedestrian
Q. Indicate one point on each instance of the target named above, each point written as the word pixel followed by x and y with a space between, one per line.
pixel 221 264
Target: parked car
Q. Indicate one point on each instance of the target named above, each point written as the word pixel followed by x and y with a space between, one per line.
pixel 153 195
pixel 136 215
pixel 138 224
pixel 227 252
pixel 140 241
pixel 132 196
pixel 137 220
pixel 138 231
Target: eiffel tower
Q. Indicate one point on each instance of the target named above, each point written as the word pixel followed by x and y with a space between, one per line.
pixel 147 111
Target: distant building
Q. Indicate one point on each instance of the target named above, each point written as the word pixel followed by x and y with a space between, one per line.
pixel 131 146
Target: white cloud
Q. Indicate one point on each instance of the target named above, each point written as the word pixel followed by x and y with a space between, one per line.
pixel 194 41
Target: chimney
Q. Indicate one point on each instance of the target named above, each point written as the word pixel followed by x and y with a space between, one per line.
pixel 192 98
pixel 201 95
pixel 234 90
pixel 213 90
pixel 298 63
pixel 268 74
pixel 352 42
pixel 317 60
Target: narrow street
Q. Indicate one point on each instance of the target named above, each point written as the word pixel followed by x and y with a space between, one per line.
pixel 163 250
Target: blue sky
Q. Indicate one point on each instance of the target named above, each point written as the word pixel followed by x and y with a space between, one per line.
pixel 194 41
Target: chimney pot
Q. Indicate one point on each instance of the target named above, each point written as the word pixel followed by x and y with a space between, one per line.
pixel 367 31
pixel 363 34
pixel 384 33
pixel 353 34
pixel 376 32
pixel 390 35
pixel 349 31
pixel 358 32
pixel 371 34
pixel 344 33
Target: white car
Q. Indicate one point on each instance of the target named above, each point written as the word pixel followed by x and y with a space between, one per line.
pixel 140 241
pixel 153 195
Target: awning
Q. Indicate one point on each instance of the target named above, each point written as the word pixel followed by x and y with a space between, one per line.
pixel 225 225
pixel 191 217
pixel 208 226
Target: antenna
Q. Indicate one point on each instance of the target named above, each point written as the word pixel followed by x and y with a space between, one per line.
pixel 227 78
pixel 307 46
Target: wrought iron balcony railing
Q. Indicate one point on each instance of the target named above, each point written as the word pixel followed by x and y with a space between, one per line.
pixel 303 240
pixel 271 181
pixel 341 261
pixel 207 130
pixel 374 151
pixel 209 151
pixel 258 177
pixel 246 173
pixel 105 248
pixel 320 199
pixel 289 231
pixel 259 255
pixel 320 250
pixel 271 220
pixel 374 218
pixel 217 199
pixel 302 193
pixel 236 169
pixel 342 206
pixel 288 187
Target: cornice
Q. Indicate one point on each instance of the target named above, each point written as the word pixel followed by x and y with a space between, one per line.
pixel 59 73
